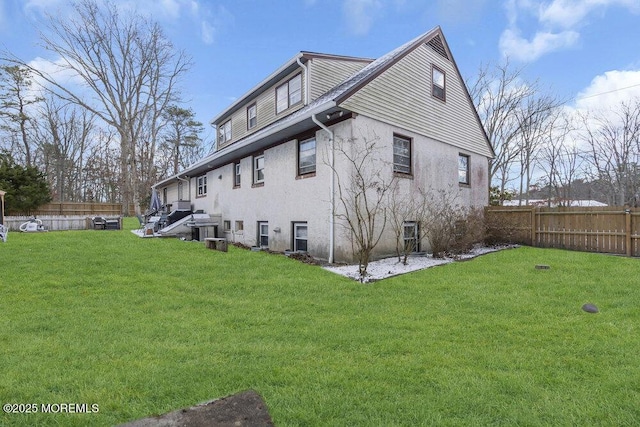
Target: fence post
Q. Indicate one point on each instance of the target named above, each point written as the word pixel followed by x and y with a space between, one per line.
pixel 533 227
pixel 627 231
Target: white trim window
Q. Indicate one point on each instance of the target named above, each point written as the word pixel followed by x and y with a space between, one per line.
pixel 438 83
pixel 401 154
pixel 201 185
pixel 263 234
pixel 464 169
pixel 258 169
pixel 300 236
pixel 224 132
pixel 252 116
pixel 411 236
pixel 237 178
pixel 307 156
pixel 289 94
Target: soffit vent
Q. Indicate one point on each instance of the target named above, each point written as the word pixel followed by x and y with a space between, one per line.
pixel 436 44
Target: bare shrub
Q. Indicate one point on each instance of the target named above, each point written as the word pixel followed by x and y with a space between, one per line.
pixel 450 227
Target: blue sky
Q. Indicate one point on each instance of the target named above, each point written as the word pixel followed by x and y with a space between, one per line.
pixel 583 50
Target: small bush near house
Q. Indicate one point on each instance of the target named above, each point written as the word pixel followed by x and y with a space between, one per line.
pixel 450 227
pixel 505 227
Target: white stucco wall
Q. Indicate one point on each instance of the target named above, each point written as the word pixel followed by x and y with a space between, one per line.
pixel 285 198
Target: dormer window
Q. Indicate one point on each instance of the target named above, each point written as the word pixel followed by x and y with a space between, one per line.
pixel 224 132
pixel 289 94
pixel 252 116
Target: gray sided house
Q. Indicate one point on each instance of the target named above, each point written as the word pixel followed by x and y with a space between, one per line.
pixel 270 181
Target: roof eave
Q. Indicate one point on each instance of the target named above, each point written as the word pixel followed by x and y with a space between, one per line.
pixel 264 83
pixel 214 160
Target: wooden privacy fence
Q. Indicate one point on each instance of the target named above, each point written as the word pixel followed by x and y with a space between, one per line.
pixel 606 229
pixel 80 208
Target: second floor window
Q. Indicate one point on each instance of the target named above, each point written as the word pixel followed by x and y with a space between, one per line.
pixel 289 93
pixel 224 132
pixel 307 156
pixel 401 154
pixel 252 116
pixel 202 185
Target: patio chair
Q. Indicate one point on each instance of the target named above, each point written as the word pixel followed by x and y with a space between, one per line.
pixel 4 231
pixel 141 220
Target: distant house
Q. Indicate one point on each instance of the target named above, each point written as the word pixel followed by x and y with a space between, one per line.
pixel 269 183
pixel 554 203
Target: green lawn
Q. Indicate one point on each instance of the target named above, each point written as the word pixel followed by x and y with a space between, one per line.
pixel 146 326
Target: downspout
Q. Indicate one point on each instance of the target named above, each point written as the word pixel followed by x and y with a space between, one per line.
pixel 306 81
pixel 188 181
pixel 332 199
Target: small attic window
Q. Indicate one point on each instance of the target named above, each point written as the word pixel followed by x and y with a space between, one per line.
pixel 437 45
pixel 438 89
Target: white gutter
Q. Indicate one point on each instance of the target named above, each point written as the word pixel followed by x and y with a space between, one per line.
pixel 332 186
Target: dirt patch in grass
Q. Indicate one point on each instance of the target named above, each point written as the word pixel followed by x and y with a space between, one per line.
pixel 243 409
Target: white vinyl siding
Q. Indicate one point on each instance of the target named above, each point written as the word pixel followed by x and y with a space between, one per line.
pixel 402 97
pixel 327 73
pixel 265 110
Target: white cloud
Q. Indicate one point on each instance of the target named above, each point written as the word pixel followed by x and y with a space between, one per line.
pixel 570 13
pixel 556 24
pixel 519 48
pixel 360 15
pixel 608 90
pixel 207 32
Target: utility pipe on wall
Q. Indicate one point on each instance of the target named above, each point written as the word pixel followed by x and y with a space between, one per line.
pixel 188 181
pixel 332 201
pixel 306 81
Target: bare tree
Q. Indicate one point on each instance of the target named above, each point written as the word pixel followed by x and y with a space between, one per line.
pixel 101 172
pixel 535 120
pixel 559 158
pixel 64 136
pixel 498 93
pixel 363 195
pixel 16 109
pixel 128 71
pixel 614 151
